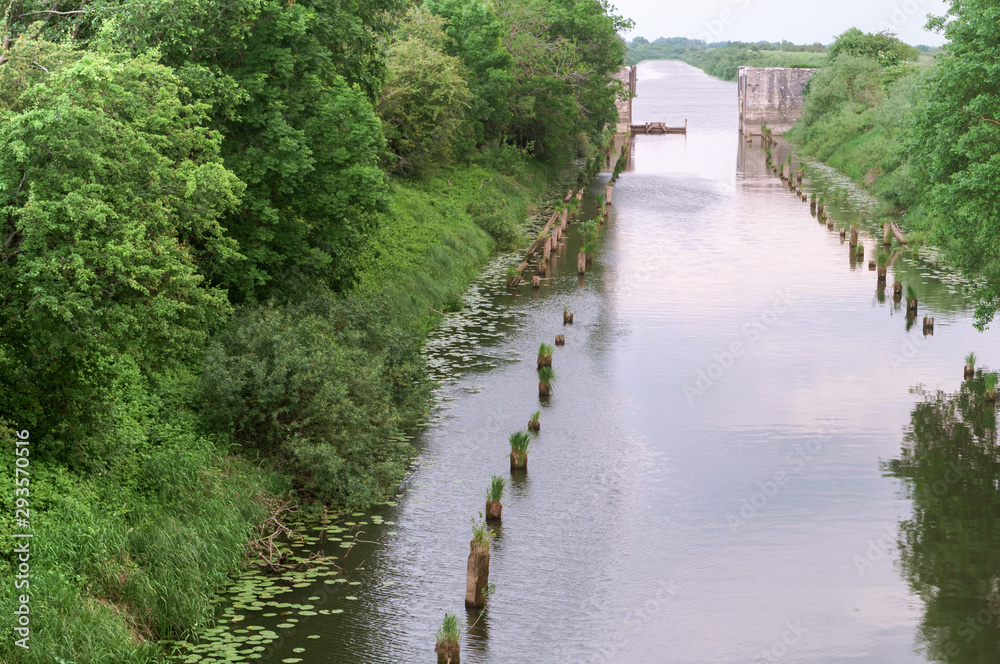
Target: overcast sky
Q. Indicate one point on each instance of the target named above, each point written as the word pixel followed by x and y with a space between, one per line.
pixel 802 22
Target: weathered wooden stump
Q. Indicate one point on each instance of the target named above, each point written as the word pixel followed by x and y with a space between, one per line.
pixel 560 340
pixel 519 460
pixel 448 652
pixel 477 575
pixel 871 265
pixel 567 318
pixel 581 264
pixel 911 308
pixel 544 390
pixel 494 510
pixel 536 281
pixel 534 426
pixel 928 326
pixel 854 235
pixel 608 189
pixel 970 372
pixel 829 224
pixel 897 291
pixel 843 232
pixel 544 361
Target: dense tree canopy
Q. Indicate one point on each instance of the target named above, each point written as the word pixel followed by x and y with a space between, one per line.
pixel 111 193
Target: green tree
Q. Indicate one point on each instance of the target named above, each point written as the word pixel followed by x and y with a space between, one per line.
pixel 957 144
pixel 111 190
pixel 565 54
pixel 290 85
pixel 475 34
pixel 425 98
pixel 884 47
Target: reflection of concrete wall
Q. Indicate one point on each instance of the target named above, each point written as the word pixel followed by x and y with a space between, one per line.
pixel 771 96
pixel 627 76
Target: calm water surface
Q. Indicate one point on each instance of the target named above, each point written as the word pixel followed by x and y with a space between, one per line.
pixel 747 457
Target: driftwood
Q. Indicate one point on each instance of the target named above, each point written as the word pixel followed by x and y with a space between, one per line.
pixel 538 242
pixel 898 233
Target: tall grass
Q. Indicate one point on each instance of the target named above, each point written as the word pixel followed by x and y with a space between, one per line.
pixel 520 441
pixel 448 632
pixel 970 359
pixel 546 376
pixel 495 492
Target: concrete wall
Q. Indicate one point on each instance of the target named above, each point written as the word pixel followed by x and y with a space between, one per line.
pixel 627 76
pixel 771 96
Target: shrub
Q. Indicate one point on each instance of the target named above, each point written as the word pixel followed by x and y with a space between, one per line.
pixel 323 389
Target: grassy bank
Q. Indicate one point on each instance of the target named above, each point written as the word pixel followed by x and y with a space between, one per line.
pixel 857 117
pixel 442 229
pixel 132 549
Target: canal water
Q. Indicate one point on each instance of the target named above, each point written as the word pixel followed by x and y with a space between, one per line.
pixel 750 455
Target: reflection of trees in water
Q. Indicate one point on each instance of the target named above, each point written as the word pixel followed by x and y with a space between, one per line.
pixel 950 549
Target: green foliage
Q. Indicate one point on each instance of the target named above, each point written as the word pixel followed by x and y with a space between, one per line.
pixel 520 441
pixel 881 258
pixel 290 87
pixel 990 382
pixel 497 485
pixel 474 35
pixel 883 47
pixel 481 533
pixel 911 292
pixel 535 415
pixel 970 359
pixel 861 249
pixel 957 143
pixel 448 632
pixel 322 388
pixel 424 98
pixel 565 53
pixel 546 376
pixel 111 192
pixel 544 350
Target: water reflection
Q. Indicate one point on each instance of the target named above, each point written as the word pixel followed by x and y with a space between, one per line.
pixel 950 548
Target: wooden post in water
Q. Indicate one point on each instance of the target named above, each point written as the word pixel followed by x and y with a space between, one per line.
pixel 565 219
pixel 885 234
pixel 477 575
pixel 854 235
pixel 843 233
pixel 928 326
pixel 536 281
pixel 608 189
pixel 547 249
pixel 581 263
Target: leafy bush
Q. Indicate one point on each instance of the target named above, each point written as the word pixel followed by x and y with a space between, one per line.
pixel 323 388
